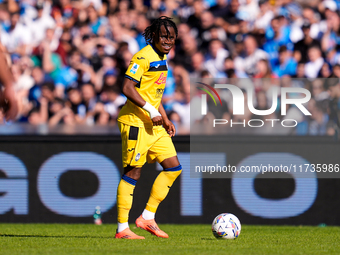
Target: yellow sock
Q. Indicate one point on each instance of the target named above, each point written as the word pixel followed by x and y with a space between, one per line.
pixel 161 186
pixel 124 198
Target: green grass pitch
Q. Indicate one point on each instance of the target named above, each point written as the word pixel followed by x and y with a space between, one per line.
pixel 184 239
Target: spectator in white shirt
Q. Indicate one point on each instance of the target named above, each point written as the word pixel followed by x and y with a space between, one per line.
pixel 18 39
pixel 253 55
pixel 217 55
pixel 312 68
pixel 265 15
pixel 251 9
pixel 40 24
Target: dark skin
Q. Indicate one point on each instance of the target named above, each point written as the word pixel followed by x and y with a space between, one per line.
pixel 8 101
pixel 163 45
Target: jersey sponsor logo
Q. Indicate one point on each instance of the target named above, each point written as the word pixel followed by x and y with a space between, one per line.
pixel 157 65
pixel 159 93
pixel 134 68
pixel 140 58
pixel 161 80
pixel 137 157
pixel 132 149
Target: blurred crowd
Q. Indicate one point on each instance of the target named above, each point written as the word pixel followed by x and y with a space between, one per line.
pixel 68 57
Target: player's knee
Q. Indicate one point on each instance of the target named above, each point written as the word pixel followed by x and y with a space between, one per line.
pixel 173 172
pixel 133 172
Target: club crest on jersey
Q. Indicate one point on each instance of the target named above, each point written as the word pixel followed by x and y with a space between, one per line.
pixel 159 93
pixel 137 157
pixel 161 80
pixel 134 68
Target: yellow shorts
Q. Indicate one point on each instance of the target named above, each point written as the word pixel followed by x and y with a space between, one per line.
pixel 141 145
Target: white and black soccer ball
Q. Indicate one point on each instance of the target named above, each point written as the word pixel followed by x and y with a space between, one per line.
pixel 226 226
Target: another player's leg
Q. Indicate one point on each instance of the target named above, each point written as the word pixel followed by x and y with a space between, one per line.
pixel 124 202
pixel 160 189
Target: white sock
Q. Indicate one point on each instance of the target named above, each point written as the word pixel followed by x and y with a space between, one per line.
pixel 122 226
pixel 147 215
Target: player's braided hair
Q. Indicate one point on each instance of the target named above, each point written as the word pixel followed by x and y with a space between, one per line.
pixel 152 31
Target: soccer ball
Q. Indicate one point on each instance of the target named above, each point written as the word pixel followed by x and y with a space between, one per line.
pixel 226 226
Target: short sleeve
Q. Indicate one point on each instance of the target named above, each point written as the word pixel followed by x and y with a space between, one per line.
pixel 138 66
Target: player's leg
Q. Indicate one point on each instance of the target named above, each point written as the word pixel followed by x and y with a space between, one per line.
pixel 130 136
pixel 165 153
pixel 124 201
pixel 125 191
pixel 160 189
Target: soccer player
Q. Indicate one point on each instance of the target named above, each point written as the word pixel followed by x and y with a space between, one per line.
pixel 8 101
pixel 145 129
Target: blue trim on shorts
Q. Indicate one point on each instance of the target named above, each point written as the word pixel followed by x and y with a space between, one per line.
pixel 129 180
pixel 177 168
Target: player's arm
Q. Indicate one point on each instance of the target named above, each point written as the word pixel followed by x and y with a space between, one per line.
pixel 131 93
pixel 167 124
pixel 8 101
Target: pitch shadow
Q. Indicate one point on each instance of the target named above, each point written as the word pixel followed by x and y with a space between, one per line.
pixel 46 236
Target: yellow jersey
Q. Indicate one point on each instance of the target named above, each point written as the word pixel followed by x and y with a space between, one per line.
pixel 149 70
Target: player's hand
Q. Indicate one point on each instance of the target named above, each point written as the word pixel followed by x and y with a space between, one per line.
pixel 169 127
pixel 157 121
pixel 43 101
pixel 9 104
